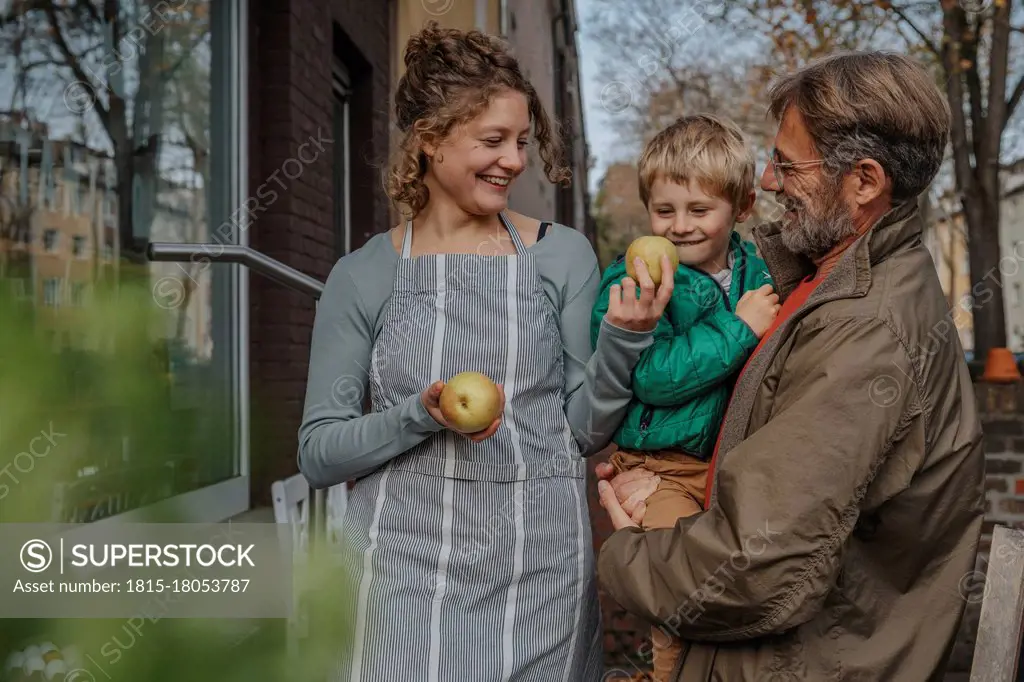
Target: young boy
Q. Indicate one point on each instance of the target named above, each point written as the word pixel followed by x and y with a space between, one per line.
pixel 697 181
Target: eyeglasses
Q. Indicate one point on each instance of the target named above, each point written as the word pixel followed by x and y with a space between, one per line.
pixel 787 165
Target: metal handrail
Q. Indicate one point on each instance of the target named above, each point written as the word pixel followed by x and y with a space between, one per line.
pixel 273 269
pixel 236 253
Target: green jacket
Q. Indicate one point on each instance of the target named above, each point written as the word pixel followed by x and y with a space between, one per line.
pixel 681 383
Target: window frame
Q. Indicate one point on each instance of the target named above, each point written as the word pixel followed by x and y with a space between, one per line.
pixel 51 246
pixel 84 241
pixel 504 18
pixel 341 90
pixel 52 287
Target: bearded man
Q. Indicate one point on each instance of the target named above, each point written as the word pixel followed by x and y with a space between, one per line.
pixel 845 501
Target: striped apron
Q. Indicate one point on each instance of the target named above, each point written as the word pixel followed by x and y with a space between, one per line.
pixel 473 562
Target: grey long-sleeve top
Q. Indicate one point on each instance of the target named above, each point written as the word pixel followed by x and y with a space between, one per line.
pixel 337 442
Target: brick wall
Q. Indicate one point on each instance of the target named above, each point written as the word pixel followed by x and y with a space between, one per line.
pixel 291 103
pixel 1002 413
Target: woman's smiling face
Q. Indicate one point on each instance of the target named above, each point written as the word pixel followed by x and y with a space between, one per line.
pixel 477 164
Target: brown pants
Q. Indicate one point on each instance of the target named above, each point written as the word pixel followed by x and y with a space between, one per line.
pixel 680 494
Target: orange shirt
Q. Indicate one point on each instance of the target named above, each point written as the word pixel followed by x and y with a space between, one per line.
pixel 795 300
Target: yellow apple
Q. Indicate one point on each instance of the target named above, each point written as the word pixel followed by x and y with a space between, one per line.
pixel 470 402
pixel 650 249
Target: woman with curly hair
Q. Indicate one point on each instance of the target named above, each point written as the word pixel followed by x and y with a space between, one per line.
pixel 471 555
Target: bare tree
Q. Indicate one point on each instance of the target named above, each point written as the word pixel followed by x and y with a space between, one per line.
pixel 114 60
pixel 970 44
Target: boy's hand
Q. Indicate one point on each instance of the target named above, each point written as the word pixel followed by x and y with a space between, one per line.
pixel 758 309
pixel 626 311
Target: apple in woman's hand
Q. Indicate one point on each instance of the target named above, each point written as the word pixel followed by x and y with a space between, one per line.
pixel 470 402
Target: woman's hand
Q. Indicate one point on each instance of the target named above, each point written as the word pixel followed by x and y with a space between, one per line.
pixel 431 400
pixel 623 495
pixel 626 311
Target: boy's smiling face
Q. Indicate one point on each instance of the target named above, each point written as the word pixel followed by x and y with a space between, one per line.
pixel 699 224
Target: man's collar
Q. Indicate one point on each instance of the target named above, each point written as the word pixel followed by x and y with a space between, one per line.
pixel 901 223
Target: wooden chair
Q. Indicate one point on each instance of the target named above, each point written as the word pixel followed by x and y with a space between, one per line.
pixel 997 649
pixel 291 506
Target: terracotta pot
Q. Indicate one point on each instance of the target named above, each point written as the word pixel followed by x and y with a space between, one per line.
pixel 1001 367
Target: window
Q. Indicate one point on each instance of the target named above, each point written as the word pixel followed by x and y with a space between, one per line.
pixel 84 203
pixel 77 293
pixel 186 139
pixel 74 194
pixel 50 240
pixel 51 292
pixel 342 224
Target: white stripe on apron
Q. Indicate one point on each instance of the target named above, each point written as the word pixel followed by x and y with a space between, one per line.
pixel 473 561
pixel 517 505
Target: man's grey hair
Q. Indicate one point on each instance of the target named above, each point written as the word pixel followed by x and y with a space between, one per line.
pixel 871 105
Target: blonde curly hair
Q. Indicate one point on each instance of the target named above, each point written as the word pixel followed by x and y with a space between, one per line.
pixel 450 78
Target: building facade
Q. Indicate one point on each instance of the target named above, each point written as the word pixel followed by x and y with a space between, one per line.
pixel 947 240
pixel 1011 268
pixel 542 35
pixel 260 124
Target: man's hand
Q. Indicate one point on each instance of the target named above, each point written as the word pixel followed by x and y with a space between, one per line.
pixel 620 519
pixel 626 311
pixel 629 489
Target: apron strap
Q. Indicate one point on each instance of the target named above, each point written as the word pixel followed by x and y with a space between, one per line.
pixel 407 240
pixel 520 247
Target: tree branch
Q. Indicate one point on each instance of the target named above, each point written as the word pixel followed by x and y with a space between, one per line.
pixel 19 10
pixel 1016 166
pixel 90 9
pixel 920 34
pixel 999 56
pixel 969 47
pixel 954 95
pixel 1015 98
pixel 72 62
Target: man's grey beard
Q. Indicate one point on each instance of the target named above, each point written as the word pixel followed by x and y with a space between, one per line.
pixel 814 235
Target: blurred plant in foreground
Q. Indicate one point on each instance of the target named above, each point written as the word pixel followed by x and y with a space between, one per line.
pixel 73 387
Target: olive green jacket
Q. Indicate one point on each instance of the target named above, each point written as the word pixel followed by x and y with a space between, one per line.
pixel 847 496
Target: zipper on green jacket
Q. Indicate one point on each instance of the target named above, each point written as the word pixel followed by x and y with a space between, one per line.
pixel 645 417
pixel 741 259
pixel 741 267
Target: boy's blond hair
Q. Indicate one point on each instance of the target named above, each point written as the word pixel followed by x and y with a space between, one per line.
pixel 708 149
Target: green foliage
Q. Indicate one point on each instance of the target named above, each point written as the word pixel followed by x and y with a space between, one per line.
pixel 90 378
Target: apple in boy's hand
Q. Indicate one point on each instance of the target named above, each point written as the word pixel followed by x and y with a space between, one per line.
pixel 470 402
pixel 650 249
